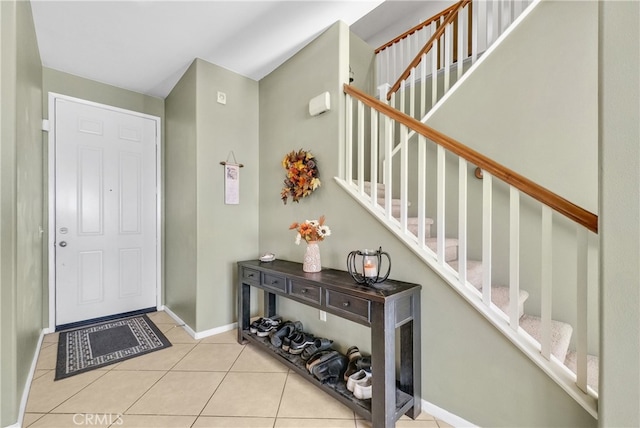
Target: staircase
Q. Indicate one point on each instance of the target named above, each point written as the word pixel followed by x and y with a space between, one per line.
pixel 500 296
pixel 406 174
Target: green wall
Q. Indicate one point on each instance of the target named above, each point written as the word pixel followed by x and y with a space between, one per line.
pixel 21 194
pixel 468 367
pixel 619 90
pixel 180 196
pixel 226 233
pixel 204 236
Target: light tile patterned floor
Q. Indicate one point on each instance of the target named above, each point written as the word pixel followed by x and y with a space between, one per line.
pixel 213 382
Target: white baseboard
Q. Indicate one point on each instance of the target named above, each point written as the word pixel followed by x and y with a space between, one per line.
pixel 444 415
pixel 197 335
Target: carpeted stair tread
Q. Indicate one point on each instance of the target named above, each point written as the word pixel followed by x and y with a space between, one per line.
pixel 394 202
pixel 500 298
pixel 414 221
pixel 499 293
pixel 380 189
pixel 412 225
pixel 592 368
pixel 474 272
pixel 450 247
pixel 560 334
pixel 395 206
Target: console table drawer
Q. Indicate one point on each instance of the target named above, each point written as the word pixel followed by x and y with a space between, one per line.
pixel 349 304
pixel 275 282
pixel 251 275
pixel 305 291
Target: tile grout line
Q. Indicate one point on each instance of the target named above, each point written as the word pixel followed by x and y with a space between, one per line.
pixel 275 421
pixel 161 377
pixel 221 380
pixel 54 373
pixel 78 392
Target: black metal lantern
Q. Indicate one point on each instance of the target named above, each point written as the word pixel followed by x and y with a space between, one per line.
pixel 365 266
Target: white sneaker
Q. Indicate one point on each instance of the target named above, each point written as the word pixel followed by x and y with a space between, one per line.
pixel 358 376
pixel 362 388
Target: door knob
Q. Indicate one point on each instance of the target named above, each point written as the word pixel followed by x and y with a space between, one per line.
pixel 63 243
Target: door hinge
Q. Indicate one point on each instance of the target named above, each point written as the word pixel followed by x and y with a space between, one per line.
pixel 45 125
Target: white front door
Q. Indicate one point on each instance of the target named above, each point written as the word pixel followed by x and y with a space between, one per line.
pixel 105 211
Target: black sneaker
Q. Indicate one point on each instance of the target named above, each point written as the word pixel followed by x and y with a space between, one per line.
pixel 253 328
pixel 287 329
pixel 268 325
pixel 299 342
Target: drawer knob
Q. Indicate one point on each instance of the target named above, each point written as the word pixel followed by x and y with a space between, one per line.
pixel 275 281
pixel 250 275
pixel 303 291
pixel 345 304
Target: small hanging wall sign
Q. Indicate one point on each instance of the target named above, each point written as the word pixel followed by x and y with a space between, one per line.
pixel 231 180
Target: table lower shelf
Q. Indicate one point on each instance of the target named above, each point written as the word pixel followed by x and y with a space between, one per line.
pixel 404 401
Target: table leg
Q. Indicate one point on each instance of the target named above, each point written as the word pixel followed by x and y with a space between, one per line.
pixel 383 381
pixel 269 304
pixel 410 354
pixel 244 301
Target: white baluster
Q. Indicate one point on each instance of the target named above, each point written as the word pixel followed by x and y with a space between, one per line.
pixel 487 214
pixel 506 16
pixel 422 189
pixel 393 61
pixel 434 73
pixel 448 49
pixel 495 19
pixel 374 158
pixel 423 85
pixel 348 162
pixel 546 278
pixel 388 178
pixel 440 204
pixel 401 56
pixel 402 107
pixel 514 257
pixel 412 93
pixel 404 177
pixel 475 31
pixel 462 221
pixel 582 300
pixel 462 25
pixel 360 157
pixel 384 68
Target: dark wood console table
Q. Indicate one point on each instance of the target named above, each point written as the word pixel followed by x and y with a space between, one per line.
pixel 384 308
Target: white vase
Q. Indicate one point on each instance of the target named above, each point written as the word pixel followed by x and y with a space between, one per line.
pixel 312 257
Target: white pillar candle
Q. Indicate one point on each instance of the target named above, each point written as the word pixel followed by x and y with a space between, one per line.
pixel 370 270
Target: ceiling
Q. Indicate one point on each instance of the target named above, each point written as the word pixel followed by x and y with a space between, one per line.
pixel 145 46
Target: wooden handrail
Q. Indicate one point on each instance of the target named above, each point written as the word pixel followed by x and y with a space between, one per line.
pixel 436 35
pixel 416 28
pixel 541 194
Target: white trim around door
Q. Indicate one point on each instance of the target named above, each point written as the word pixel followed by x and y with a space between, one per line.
pixel 51 198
